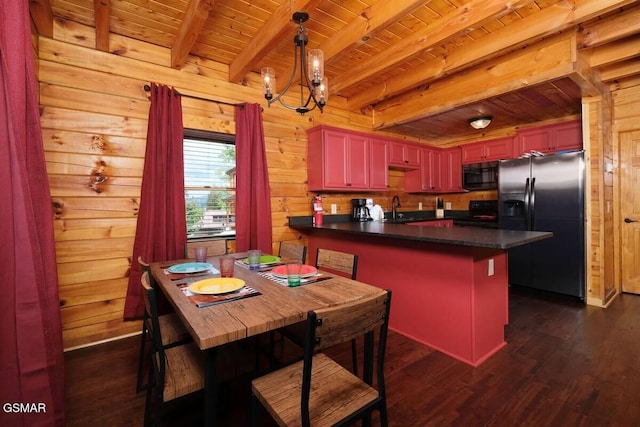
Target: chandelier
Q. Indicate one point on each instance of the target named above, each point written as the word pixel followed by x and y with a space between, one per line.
pixel 313 83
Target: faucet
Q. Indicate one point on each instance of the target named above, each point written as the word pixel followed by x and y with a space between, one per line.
pixel 395 204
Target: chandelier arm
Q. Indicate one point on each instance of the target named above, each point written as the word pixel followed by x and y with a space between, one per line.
pixel 303 73
pixel 288 85
pixel 304 69
pixel 304 76
pixel 300 41
pixel 292 107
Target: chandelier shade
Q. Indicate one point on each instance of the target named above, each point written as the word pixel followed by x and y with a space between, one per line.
pixel 314 86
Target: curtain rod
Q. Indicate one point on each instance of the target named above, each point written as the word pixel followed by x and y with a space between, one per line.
pixel 147 88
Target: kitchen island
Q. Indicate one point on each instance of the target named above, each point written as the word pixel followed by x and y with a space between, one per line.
pixel 450 285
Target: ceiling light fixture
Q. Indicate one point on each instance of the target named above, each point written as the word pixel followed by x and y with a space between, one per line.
pixel 311 74
pixel 480 122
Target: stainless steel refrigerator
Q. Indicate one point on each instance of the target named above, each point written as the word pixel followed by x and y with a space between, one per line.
pixel 545 194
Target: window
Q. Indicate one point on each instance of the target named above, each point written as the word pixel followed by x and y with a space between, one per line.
pixel 209 184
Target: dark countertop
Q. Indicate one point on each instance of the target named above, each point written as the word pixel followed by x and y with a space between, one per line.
pixel 463 236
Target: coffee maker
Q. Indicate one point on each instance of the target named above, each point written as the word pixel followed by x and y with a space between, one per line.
pixel 359 210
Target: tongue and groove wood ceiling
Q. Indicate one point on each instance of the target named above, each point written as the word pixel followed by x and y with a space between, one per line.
pixel 420 68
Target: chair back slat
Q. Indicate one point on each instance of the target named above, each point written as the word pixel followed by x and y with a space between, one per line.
pixel 340 262
pixel 153 325
pixel 148 294
pixel 293 251
pixel 342 323
pixel 145 267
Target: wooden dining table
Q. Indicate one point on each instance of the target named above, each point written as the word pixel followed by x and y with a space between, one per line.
pixel 277 305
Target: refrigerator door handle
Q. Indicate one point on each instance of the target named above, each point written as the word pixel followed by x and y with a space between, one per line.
pixel 532 204
pixel 527 210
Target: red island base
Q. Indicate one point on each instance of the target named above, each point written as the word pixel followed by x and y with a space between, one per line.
pixel 452 298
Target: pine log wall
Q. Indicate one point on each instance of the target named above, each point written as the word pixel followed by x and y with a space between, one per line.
pixel 94 120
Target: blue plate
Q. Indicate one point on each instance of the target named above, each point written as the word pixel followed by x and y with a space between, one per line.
pixel 190 267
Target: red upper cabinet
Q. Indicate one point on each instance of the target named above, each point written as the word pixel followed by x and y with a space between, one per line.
pixel 338 160
pixel 378 164
pixel 440 172
pixel 451 170
pixel 427 178
pixel 486 151
pixel 403 156
pixel 550 139
pixel 357 166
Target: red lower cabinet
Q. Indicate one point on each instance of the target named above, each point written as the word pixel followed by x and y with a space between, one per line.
pixel 443 295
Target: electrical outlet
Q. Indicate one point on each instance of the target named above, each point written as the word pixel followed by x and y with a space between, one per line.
pixel 334 208
pixel 419 206
pixel 447 206
pixel 491 271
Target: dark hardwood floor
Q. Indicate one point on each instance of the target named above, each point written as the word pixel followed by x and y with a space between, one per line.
pixel 565 364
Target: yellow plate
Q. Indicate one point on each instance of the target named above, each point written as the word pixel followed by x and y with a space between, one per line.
pixel 217 285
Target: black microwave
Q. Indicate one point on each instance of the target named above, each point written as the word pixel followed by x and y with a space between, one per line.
pixel 480 176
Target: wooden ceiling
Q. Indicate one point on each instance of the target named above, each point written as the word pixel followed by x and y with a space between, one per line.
pixel 420 68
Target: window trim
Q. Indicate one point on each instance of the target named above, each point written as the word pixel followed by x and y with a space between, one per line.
pixel 218 137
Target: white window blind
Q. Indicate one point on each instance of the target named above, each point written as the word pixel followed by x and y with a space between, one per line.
pixel 209 184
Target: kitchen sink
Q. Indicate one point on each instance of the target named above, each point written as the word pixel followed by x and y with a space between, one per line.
pixel 402 220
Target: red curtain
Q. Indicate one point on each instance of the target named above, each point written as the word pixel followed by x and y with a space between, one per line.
pixel 253 199
pixel 161 231
pixel 31 350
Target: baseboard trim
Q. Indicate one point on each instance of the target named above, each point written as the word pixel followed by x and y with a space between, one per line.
pixel 92 344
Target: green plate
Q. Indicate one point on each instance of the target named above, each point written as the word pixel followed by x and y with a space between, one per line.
pixel 265 260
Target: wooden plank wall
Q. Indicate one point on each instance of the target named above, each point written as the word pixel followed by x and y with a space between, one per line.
pixel 613 112
pixel 94 121
pixel 596 112
pixel 626 117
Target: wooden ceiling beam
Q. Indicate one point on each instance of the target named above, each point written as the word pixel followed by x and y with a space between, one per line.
pixel 360 28
pixel 547 61
pixel 615 52
pixel 471 15
pixel 620 71
pixel 622 25
pixel 194 19
pixel 42 16
pixel 371 20
pixel 102 11
pixel 278 26
pixel 551 20
pixel 587 78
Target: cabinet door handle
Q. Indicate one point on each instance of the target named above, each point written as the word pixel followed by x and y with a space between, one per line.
pixel 629 220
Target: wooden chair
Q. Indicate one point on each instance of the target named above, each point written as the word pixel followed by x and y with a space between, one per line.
pixel 317 391
pixel 175 371
pixel 338 262
pixel 341 263
pixel 172 331
pixel 214 247
pixel 292 251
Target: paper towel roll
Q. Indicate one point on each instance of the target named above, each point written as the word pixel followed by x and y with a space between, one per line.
pixel 377 213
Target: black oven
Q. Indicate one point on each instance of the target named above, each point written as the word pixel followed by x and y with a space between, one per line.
pixel 480 176
pixel 482 213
